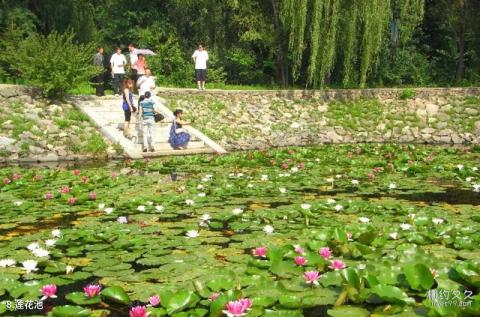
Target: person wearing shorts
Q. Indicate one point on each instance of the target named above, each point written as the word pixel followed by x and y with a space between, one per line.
pixel 200 57
pixel 127 106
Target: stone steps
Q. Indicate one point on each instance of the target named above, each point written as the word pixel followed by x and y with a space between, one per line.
pixel 107 115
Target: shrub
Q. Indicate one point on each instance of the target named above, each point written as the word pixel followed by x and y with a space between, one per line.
pixel 54 62
pixel 96 145
pixel 408 94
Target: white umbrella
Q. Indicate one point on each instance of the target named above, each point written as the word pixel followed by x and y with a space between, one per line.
pixel 143 51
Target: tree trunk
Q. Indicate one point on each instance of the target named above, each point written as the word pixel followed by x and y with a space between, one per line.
pixel 461 43
pixel 281 56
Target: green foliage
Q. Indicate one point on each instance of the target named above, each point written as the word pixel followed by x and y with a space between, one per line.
pixel 54 62
pixel 408 94
pixel 406 67
pixel 96 145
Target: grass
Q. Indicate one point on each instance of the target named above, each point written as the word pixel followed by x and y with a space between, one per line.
pixel 408 93
pixel 96 145
pixel 20 125
pixel 62 123
pixel 76 115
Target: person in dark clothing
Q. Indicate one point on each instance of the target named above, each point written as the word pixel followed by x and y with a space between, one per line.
pixel 100 78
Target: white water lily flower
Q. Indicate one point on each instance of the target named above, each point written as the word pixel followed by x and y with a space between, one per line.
pixel 50 242
pixel 231 175
pixel 405 226
pixel 393 235
pixel 69 269
pixel 355 182
pixel 331 201
pixel 141 208
pixel 159 208
pixel 364 219
pixel 338 176
pixel 205 217
pixel 237 211
pixel 268 229
pixel 264 178
pixel 411 216
pixel 250 185
pixel 205 179
pixel 437 221
pixel 317 160
pixel 7 262
pixel 338 207
pixel 200 186
pixel 305 206
pixel 30 266
pixel 122 219
pixel 361 266
pixel 476 188
pixel 474 168
pixel 150 203
pixel 101 206
pixel 18 203
pixel 282 190
pixel 239 174
pixel 33 246
pixel 294 169
pixel 392 186
pixel 108 210
pixel 189 202
pixel 56 233
pixel 460 166
pixel 229 185
pixel 40 252
pixel 192 234
pixel 201 194
pixel 468 179
pixel 330 180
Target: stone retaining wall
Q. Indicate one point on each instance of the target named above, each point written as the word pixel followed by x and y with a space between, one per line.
pixel 262 119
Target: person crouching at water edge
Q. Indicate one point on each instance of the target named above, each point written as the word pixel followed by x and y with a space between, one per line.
pixel 147 112
pixel 179 137
pixel 127 106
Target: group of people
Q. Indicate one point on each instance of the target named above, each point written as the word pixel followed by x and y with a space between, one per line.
pixel 143 81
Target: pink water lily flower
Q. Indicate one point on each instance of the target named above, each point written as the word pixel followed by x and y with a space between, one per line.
pixel 337 265
pixel 298 249
pixel 325 252
pixel 76 172
pixel 48 195
pixel 114 175
pixel 16 176
pixel 260 252
pixel 49 291
pixel 238 308
pixel 154 300
pixel 311 277
pixel 92 290
pixel 138 311
pixel 300 260
pixel 6 181
pixel 84 179
pixel 64 190
pixel 213 297
pixel 72 200
pixel 92 195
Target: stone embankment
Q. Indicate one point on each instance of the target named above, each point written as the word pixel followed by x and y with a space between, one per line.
pixel 262 119
pixel 33 129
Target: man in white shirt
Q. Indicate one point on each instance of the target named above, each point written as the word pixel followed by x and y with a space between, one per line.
pixel 200 57
pixel 117 63
pixel 146 83
pixel 133 58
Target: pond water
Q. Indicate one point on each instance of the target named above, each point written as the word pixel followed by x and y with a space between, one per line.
pixel 398 222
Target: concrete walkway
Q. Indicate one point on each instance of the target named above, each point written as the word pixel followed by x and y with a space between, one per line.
pixel 107 114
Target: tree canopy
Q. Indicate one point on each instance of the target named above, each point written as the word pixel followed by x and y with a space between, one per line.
pixel 307 43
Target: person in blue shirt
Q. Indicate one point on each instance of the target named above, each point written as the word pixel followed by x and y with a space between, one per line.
pixel 147 112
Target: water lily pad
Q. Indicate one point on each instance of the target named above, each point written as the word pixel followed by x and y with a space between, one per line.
pixel 70 311
pixel 80 298
pixel 116 294
pixel 348 311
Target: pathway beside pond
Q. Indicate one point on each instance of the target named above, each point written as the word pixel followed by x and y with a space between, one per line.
pixel 106 113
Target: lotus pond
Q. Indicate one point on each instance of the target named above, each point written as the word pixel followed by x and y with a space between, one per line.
pixel 341 231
